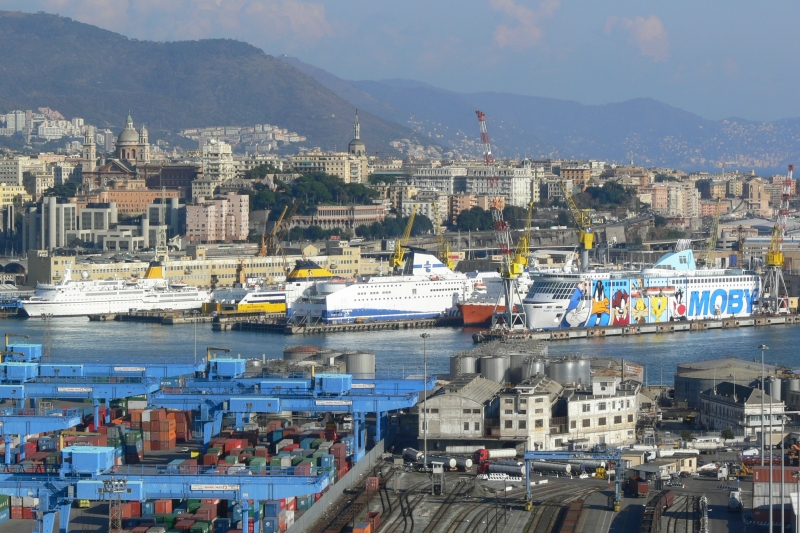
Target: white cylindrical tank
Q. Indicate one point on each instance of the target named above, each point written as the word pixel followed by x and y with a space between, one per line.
pixel 774 387
pixel 516 368
pixel 587 463
pixel 462 364
pixel 502 452
pixel 534 366
pixel 703 446
pixel 496 368
pixel 506 469
pixel 299 353
pixel 551 467
pixel 509 462
pixel 463 449
pixel 448 462
pixel 463 463
pixel 360 364
pixel 684 451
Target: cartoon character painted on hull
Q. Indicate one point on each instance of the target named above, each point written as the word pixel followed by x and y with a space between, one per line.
pixel 640 310
pixel 579 307
pixel 619 308
pixel 678 306
pixel 600 314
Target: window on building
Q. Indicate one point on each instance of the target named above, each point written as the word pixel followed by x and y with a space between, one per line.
pixel 630 418
pixel 467 411
pixel 523 401
pixel 573 424
pixel 618 420
pixel 476 411
pixel 466 426
pixel 539 400
pixel 538 423
pixel 523 424
pixel 509 424
pixel 587 423
pixel 585 407
pixel 508 400
pixel 601 406
pixel 601 421
pixel 508 412
pixel 434 411
pixel 477 426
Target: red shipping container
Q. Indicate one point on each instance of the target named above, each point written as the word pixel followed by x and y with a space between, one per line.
pixel 163 506
pixel 136 509
pixel 27 513
pixel 317 496
pixel 183 525
pixel 374 518
pixel 16 512
pixel 291 505
pixel 125 509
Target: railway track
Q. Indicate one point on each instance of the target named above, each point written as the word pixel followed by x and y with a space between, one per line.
pixel 441 512
pixel 682 519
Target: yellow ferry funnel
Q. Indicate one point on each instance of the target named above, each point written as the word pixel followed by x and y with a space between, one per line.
pixel 154 271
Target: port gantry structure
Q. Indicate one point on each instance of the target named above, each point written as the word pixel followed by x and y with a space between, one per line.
pixel 596 454
pixel 214 387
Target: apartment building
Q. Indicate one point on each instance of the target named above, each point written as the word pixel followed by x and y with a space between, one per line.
pixel 342 216
pixel 218 161
pixel 579 174
pixel 738 407
pixel 350 168
pixel 223 219
pixel 36 183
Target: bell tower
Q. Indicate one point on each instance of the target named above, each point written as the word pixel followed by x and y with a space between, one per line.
pixel 89 151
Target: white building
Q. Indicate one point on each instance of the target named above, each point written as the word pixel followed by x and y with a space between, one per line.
pixel 606 414
pixel 738 407
pixel 12 170
pixel 218 161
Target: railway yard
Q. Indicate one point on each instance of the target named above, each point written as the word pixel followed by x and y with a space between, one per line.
pixel 561 505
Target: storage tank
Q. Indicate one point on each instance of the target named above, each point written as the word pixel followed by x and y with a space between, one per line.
pixel 462 364
pixel 570 370
pixel 791 385
pixel 587 463
pixel 495 368
pixel 774 387
pixel 411 455
pixel 463 463
pixel 463 449
pixel 448 462
pixel 253 365
pixel 533 367
pixel 516 368
pixel 299 353
pixel 506 469
pixel 551 467
pixel 360 364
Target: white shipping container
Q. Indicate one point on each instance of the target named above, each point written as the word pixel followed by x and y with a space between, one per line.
pixel 137 404
pixel 16 501
pixel 146 415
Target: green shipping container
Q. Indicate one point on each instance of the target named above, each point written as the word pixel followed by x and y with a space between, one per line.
pixel 5 503
pixel 201 527
pixel 192 507
pixel 232 460
pixel 317 442
pixel 215 451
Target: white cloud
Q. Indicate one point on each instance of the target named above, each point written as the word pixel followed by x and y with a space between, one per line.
pixel 647 34
pixel 526 30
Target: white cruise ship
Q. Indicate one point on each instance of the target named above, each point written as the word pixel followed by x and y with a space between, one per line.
pixel 673 289
pixel 425 289
pixel 90 297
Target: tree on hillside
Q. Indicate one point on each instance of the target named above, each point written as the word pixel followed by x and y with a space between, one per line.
pixel 63 191
pixel 475 219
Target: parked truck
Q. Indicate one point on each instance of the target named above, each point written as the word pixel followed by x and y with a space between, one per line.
pixel 638 487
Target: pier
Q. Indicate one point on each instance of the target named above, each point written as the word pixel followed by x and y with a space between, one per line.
pixel 280 326
pixel 640 329
pixel 166 318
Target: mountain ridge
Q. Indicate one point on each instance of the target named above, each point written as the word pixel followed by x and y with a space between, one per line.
pixel 644 129
pixel 82 70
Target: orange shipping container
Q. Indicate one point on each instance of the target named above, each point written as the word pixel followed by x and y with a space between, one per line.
pixel 163 506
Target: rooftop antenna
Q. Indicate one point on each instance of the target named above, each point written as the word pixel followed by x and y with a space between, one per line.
pixel 162 252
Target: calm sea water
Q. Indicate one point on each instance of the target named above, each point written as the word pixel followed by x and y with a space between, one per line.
pixel 77 339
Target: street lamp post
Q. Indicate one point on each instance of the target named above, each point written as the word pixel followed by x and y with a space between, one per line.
pixel 762 347
pixel 194 317
pixel 425 337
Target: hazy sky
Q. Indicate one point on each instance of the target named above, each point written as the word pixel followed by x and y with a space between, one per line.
pixel 716 58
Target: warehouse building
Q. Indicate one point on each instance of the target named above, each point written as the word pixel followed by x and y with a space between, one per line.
pixel 691 379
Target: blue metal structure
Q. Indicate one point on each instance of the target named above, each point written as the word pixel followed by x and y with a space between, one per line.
pixel 598 454
pixel 213 388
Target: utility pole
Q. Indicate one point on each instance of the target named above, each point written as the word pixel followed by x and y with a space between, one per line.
pixel 425 337
pixel 115 487
pixel 762 347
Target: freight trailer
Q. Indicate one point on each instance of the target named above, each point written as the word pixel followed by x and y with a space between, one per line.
pixel 491 468
pixel 411 455
pixel 638 487
pixel 463 450
pixel 561 468
pixel 485 455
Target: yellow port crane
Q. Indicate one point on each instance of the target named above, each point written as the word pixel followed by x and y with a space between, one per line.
pixel 583 222
pixel 442 245
pixel 711 244
pixel 396 260
pixel 268 242
pixel 519 261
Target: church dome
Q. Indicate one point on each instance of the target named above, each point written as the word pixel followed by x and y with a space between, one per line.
pixel 129 135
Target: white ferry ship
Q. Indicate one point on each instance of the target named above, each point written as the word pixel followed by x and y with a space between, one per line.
pixel 673 289
pixel 425 289
pixel 89 297
pixel 278 299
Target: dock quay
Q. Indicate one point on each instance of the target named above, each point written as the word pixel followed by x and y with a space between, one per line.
pixel 280 326
pixel 640 329
pixel 166 318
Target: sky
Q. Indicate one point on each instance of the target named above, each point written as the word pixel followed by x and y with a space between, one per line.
pixel 715 58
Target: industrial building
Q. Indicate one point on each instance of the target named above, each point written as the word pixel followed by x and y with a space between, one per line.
pixel 692 378
pixel 741 409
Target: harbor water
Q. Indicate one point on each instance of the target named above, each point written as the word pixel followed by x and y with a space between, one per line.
pixel 78 340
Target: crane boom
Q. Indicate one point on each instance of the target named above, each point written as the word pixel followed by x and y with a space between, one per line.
pixel 396 260
pixel 584 225
pixel 524 242
pixel 442 244
pixel 711 245
pixel 488 158
pixel 268 245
